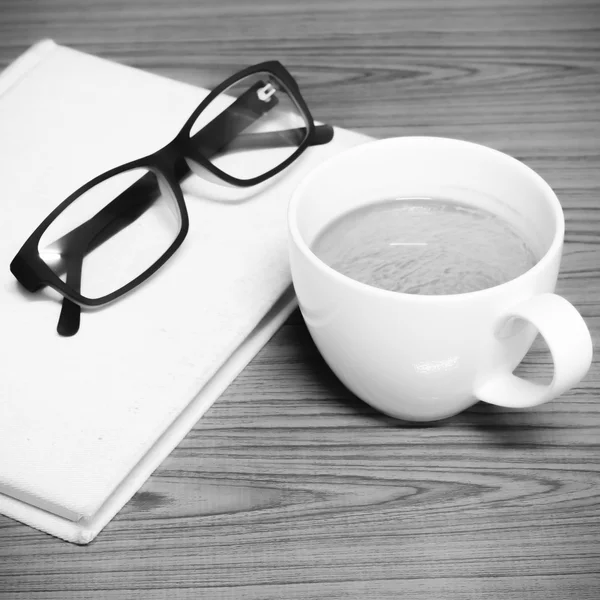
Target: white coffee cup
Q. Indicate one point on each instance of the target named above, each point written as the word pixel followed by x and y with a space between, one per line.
pixel 426 357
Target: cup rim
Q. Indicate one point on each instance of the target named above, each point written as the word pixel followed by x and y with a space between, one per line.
pixel 540 265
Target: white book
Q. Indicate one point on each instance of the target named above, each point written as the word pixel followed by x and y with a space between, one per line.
pixel 85 420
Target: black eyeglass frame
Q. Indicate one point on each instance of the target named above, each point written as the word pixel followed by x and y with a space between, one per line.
pixel 33 273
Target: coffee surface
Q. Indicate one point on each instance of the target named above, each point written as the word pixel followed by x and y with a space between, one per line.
pixel 424 246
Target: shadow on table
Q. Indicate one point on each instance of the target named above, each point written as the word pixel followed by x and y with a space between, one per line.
pixel 509 427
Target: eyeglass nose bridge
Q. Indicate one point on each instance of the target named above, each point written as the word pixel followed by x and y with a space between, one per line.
pixel 167 158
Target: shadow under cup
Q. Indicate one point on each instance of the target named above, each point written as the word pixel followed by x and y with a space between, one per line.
pixel 424 357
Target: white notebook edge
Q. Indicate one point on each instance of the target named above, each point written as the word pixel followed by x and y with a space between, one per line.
pixel 85 530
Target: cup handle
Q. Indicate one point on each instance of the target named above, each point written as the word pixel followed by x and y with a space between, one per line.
pixel 570 345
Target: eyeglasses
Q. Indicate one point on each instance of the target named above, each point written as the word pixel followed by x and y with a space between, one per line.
pixel 115 231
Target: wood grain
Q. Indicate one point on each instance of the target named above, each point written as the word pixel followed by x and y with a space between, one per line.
pixel 290 487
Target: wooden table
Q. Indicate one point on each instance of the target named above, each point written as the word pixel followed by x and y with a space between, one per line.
pixel 290 487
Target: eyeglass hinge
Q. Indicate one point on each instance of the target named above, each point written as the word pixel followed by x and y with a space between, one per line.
pixel 24 274
pixel 265 93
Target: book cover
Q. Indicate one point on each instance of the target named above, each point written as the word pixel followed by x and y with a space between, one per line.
pixel 85 420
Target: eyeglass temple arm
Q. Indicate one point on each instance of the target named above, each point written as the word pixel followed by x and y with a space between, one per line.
pixel 322 134
pixel 82 240
pixel 130 204
pixel 135 201
pixel 70 312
